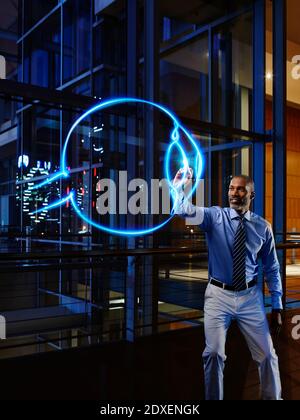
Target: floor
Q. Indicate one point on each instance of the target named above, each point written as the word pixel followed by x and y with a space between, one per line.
pixel 288 350
pixel 165 367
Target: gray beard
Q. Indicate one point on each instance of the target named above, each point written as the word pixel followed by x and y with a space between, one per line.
pixel 239 207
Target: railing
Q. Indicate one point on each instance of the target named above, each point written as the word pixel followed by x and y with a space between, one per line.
pixel 291 275
pixel 21 242
pixel 56 300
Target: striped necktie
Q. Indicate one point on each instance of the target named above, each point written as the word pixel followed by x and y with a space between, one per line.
pixel 239 257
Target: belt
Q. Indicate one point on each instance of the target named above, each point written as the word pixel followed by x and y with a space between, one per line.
pixel 228 287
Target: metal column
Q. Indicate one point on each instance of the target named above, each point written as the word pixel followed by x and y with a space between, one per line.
pixel 131 276
pixel 279 130
pixel 258 112
pixel 149 287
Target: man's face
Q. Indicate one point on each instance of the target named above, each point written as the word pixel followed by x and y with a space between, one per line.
pixel 239 195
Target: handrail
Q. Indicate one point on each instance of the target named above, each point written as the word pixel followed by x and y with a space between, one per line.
pixel 87 234
pixel 70 254
pixel 98 254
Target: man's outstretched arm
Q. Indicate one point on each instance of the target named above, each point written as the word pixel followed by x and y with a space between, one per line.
pixel 201 216
pixel 183 207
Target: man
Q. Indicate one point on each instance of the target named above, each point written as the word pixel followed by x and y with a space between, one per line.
pixel 236 238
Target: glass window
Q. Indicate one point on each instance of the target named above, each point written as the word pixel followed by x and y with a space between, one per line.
pixel 34 10
pixel 82 87
pixel 8 168
pixel 40 135
pixel 184 80
pixel 232 73
pixel 292 143
pixel 42 54
pixel 178 19
pixel 9 216
pixel 76 38
pixel 109 41
pixel 109 83
pixel 172 28
pixel 9 26
pixel 224 165
pixel 293 154
pixel 41 155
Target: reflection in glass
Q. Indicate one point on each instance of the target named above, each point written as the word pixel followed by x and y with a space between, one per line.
pixel 76 38
pixel 232 73
pixel 42 49
pixel 34 10
pixel 184 80
pixel 225 165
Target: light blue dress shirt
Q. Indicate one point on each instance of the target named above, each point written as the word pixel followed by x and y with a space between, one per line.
pixel 220 225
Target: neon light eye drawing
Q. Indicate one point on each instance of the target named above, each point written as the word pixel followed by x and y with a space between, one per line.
pixel 175 142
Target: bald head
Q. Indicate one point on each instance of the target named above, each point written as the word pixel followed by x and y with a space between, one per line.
pixel 247 179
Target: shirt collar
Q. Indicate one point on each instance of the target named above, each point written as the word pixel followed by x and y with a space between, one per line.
pixel 234 214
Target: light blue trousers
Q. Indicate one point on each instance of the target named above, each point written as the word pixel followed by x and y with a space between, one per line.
pixel 247 308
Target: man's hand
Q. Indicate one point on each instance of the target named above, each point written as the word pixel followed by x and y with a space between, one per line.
pixel 180 179
pixel 276 323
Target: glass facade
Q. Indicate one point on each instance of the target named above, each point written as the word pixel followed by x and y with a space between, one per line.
pixel 186 69
pixel 71 55
pixel 232 69
pixel 42 50
pixel 76 39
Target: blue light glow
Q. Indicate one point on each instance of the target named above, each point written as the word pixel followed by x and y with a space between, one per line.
pixel 50 179
pixel 175 142
pixel 116 231
pixel 57 203
pixel 23 160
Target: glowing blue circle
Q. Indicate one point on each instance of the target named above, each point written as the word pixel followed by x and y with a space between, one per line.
pixel 175 137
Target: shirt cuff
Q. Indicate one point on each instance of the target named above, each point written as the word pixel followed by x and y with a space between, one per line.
pixel 276 302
